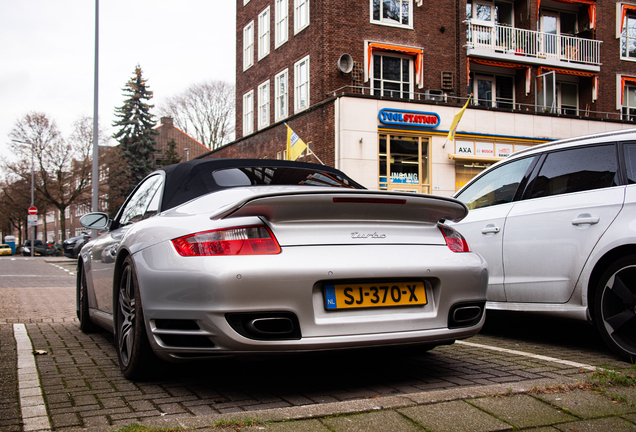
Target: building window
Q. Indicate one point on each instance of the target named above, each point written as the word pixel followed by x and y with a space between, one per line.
pixel 628 39
pixel 494 91
pixel 301 15
pixel 392 12
pixel 248 112
pixel 404 163
pixel 248 45
pixel 263 33
pixel 263 105
pixel 245 2
pixel 281 22
pixel 392 76
pixel 568 98
pixel 629 103
pixel 301 85
pixel 281 95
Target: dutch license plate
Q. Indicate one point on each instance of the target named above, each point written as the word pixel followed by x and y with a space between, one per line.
pixel 369 295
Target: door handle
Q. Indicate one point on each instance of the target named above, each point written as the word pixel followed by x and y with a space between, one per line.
pixel 490 229
pixel 585 219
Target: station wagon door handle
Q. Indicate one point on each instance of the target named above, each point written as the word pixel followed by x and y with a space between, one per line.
pixel 490 229
pixel 585 219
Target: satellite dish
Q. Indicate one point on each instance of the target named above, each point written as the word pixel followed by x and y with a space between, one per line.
pixel 345 63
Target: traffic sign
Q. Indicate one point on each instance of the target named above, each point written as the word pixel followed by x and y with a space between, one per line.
pixel 33 210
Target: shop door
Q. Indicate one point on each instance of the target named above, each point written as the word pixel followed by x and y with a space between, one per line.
pixel 404 163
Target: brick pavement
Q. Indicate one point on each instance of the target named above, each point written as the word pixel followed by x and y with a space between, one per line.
pixel 83 387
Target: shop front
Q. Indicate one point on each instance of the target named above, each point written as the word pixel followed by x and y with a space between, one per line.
pixel 404 146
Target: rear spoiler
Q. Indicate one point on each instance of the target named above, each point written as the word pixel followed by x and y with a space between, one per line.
pixel 348 205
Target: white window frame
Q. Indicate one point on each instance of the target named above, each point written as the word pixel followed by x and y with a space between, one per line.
pixel 493 79
pixel 301 15
pixel 248 45
pixel 281 95
pixel 624 35
pixel 301 84
pixel 412 77
pixel 391 23
pixel 264 33
pixel 248 113
pixel 281 22
pixel 263 105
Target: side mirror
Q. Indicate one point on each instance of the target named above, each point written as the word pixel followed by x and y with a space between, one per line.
pixel 97 221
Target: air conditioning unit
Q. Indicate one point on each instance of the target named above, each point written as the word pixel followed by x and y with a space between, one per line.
pixel 434 95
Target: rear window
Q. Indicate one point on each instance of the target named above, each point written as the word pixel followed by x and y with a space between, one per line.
pixel 577 170
pixel 630 162
pixel 277 176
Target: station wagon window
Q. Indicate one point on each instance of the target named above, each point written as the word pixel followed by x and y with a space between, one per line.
pixel 138 207
pixel 576 170
pixel 629 153
pixel 499 186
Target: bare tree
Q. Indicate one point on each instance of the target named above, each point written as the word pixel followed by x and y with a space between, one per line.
pixel 204 111
pixel 62 169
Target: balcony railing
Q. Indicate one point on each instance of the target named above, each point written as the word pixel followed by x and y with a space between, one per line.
pixel 520 42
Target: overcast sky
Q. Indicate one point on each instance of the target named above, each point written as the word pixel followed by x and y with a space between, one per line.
pixel 47 54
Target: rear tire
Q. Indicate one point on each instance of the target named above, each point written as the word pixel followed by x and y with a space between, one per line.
pixel 86 325
pixel 136 358
pixel 615 307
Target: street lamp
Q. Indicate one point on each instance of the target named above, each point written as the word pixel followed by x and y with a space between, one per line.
pixel 32 205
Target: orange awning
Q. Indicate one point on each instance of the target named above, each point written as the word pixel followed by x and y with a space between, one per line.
pixel 593 75
pixel 625 8
pixel 417 52
pixel 591 9
pixel 510 65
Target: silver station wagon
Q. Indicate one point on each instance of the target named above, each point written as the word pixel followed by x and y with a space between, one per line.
pixel 233 257
pixel 557 225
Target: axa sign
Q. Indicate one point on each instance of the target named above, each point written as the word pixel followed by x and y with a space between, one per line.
pixel 408 118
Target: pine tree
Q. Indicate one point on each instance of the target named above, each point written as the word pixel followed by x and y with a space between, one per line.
pixel 172 157
pixel 136 136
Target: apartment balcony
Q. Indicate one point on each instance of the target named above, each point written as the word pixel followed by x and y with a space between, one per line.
pixel 532 47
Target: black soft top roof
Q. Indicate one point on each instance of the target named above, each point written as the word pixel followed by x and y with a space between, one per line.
pixel 192 179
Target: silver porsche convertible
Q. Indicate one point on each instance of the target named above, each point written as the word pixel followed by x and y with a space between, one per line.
pixel 235 256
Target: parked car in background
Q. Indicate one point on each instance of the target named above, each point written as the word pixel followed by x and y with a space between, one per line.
pixel 5 249
pixel 217 257
pixel 41 248
pixel 26 248
pixel 557 225
pixel 73 245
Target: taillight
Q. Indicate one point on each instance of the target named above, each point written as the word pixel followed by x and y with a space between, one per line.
pixel 454 240
pixel 247 240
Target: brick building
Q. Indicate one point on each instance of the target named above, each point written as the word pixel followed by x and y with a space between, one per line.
pixel 374 85
pixel 186 147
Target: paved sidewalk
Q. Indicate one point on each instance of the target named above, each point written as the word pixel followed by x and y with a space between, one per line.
pixel 482 385
pixel 490 408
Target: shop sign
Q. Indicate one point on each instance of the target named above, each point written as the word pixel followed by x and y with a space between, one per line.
pixel 503 150
pixel 404 178
pixel 465 147
pixel 484 149
pixel 408 118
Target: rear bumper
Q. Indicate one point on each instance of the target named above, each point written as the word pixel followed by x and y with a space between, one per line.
pixel 186 300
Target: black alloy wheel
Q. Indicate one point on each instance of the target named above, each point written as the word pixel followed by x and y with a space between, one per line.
pixel 86 325
pixel 136 358
pixel 615 307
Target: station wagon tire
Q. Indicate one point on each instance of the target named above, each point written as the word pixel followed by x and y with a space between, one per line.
pixel 615 307
pixel 86 325
pixel 136 358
